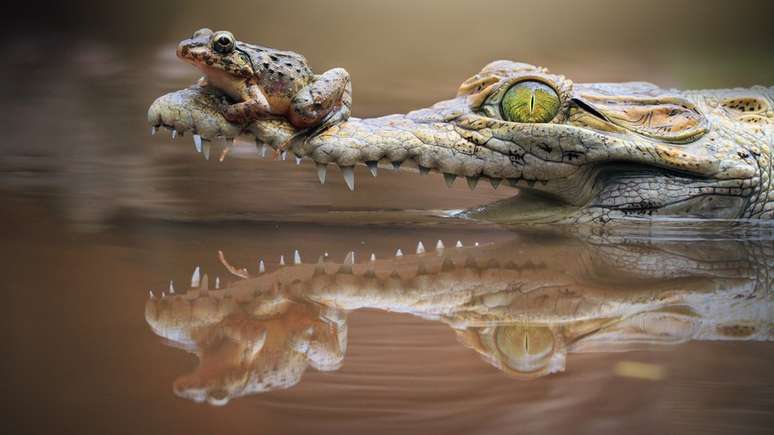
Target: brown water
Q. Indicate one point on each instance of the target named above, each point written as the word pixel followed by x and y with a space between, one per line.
pixel 642 329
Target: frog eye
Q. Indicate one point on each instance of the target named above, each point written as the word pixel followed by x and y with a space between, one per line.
pixel 530 101
pixel 223 42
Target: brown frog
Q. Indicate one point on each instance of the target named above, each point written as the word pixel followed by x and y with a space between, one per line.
pixel 267 83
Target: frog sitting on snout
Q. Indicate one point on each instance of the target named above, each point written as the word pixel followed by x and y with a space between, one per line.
pixel 265 82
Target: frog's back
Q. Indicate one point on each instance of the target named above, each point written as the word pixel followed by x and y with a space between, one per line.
pixel 275 69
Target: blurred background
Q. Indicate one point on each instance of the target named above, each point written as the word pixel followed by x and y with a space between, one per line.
pixel 78 78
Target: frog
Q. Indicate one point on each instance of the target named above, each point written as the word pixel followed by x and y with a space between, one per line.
pixel 266 83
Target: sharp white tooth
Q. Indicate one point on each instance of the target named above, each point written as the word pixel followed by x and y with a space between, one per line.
pixel 495 182
pixel 350 259
pixel 322 170
pixel 449 179
pixel 263 149
pixel 217 282
pixel 298 160
pixel 373 257
pixel 284 155
pixel 325 254
pixel 420 248
pixel 439 246
pixel 372 166
pixel 206 150
pixel 224 153
pixel 153 131
pixel 475 244
pixel 396 165
pixel 261 267
pixel 197 142
pixel 459 244
pixel 282 260
pixel 163 295
pixel 423 170
pixel 472 182
pixel 150 293
pixel 171 288
pixel 296 257
pixel 174 134
pixel 398 253
pixel 196 278
pixel 349 176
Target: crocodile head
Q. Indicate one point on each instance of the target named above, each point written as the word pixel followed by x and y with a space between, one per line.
pixel 576 152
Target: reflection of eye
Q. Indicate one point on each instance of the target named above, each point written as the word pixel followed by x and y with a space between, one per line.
pixel 530 101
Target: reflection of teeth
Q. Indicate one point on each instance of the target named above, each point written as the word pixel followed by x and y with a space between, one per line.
pixel 475 244
pixel 373 257
pixel 296 257
pixel 420 248
pixel 163 295
pixel 196 278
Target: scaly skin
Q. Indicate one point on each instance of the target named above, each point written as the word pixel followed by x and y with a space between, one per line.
pixel 611 150
pixel 523 315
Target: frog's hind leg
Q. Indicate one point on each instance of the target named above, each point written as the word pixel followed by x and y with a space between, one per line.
pixel 324 102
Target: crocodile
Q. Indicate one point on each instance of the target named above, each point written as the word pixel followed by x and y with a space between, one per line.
pixel 574 152
pixel 524 314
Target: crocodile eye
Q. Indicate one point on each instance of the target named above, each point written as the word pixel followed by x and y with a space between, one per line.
pixel 223 42
pixel 530 101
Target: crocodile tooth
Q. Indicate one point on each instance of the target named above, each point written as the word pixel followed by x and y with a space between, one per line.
pixel 349 176
pixel 298 160
pixel 217 282
pixel 475 244
pixel 264 149
pixel 150 293
pixel 373 257
pixel 420 248
pixel 472 182
pixel 223 154
pixel 284 155
pixel 206 151
pixel 261 266
pixel 449 179
pixel 423 170
pixel 196 278
pixel 459 244
pixel 282 260
pixel 398 253
pixel 396 165
pixel 171 287
pixel 174 134
pixel 163 295
pixel 350 258
pixel 439 246
pixel 495 182
pixel 153 131
pixel 296 257
pixel 197 142
pixel 321 172
pixel 372 166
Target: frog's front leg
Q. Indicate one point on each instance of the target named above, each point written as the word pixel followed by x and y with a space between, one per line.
pixel 253 107
pixel 324 102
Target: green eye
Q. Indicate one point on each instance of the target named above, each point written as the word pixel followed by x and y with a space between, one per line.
pixel 530 101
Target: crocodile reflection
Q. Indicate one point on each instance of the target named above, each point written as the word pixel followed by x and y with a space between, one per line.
pixel 522 305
